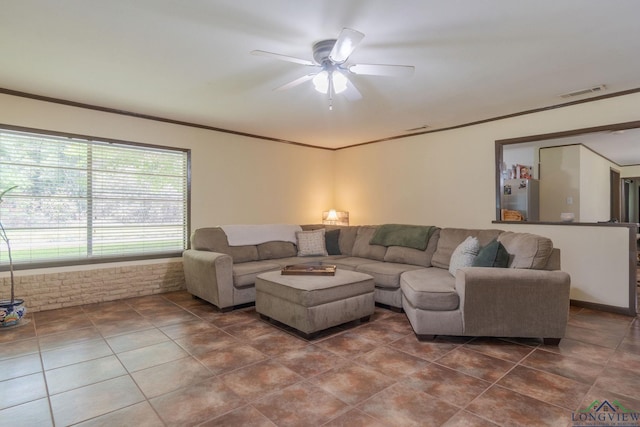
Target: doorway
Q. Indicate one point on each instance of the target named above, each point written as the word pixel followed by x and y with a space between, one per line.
pixel 615 205
pixel 630 200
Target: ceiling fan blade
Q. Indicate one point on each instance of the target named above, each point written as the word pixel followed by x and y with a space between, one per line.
pixel 347 41
pixel 352 93
pixel 382 70
pixel 282 57
pixel 296 82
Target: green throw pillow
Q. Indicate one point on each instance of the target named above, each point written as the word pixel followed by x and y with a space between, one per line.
pixel 492 255
pixel 331 238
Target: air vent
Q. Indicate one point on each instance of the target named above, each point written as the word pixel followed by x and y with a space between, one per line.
pixel 594 89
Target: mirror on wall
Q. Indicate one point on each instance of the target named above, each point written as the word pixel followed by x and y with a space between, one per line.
pixel 583 175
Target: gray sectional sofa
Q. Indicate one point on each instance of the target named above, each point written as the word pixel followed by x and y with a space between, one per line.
pixel 529 298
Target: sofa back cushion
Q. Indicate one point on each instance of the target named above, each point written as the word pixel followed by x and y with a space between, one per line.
pixel 553 263
pixel 527 250
pixel 273 250
pixel 363 249
pixel 347 239
pixel 450 239
pixel 403 255
pixel 213 239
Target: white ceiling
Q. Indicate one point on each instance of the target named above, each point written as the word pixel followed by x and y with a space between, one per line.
pixel 621 146
pixel 190 61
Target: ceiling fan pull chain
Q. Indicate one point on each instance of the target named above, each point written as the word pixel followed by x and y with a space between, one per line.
pixel 330 91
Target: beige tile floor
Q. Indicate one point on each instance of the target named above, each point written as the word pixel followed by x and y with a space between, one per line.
pixel 170 360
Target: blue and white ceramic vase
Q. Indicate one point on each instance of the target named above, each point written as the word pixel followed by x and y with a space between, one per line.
pixel 11 312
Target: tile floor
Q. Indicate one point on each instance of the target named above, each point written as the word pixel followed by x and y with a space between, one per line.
pixel 176 361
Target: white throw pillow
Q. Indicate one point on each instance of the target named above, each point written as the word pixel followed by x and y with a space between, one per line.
pixel 311 243
pixel 464 254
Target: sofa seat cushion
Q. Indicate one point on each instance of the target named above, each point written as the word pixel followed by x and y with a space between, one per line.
pixel 244 273
pixel 450 239
pixel 430 289
pixel 386 274
pixel 527 250
pixel 351 262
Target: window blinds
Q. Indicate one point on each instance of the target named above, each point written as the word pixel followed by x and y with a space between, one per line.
pixel 80 199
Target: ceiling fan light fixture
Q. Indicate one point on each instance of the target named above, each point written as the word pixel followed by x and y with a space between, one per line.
pixel 321 81
pixel 339 82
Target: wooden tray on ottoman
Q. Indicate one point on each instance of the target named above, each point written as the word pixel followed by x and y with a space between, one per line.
pixel 309 270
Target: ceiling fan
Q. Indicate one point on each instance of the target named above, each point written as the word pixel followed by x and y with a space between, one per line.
pixel 331 70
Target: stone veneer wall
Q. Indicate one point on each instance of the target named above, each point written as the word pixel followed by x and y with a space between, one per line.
pixel 68 288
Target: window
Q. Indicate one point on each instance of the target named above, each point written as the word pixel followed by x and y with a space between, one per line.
pixel 80 200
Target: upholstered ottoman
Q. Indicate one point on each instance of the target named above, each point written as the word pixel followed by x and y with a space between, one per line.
pixel 313 303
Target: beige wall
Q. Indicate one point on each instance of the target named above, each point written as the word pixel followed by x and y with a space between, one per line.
pixel 595 186
pixel 630 171
pixel 597 258
pixel 560 181
pixel 575 172
pixel 448 179
pixel 444 178
pixel 234 179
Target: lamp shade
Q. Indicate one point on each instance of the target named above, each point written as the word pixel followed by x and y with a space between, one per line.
pixel 332 215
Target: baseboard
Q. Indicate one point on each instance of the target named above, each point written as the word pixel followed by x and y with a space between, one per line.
pixel 603 307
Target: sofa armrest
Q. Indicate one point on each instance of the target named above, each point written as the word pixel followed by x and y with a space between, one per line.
pixel 513 302
pixel 209 275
